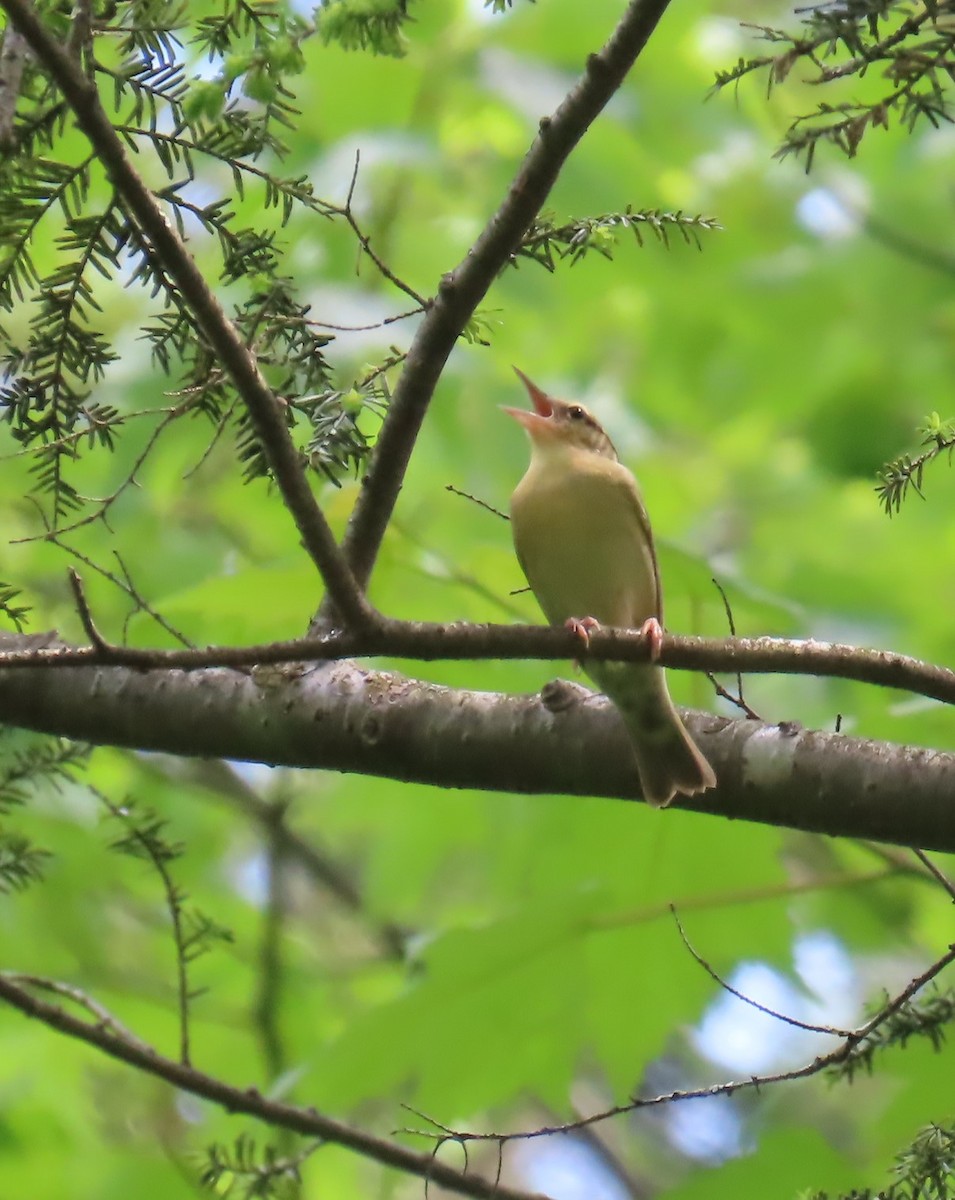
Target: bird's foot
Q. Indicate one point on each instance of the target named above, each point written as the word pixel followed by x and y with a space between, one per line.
pixel 582 628
pixel 652 630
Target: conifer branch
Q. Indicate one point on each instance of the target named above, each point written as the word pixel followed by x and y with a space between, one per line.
pixel 265 412
pixel 905 472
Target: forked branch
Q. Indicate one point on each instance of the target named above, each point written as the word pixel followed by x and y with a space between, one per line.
pixel 462 289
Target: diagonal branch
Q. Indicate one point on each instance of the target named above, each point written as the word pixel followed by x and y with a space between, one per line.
pixel 250 1101
pixel 283 458
pixel 462 289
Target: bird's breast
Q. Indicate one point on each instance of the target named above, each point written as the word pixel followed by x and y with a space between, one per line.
pixel 581 537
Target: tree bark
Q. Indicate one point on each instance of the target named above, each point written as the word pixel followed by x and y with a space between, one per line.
pixel 341 716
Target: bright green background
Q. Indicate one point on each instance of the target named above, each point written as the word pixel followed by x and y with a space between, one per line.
pixel 755 387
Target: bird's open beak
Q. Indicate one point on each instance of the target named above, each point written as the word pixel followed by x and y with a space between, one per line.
pixel 538 421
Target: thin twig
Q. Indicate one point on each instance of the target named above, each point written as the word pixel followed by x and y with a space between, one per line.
pixel 86 617
pixel 820 1063
pixel 252 1103
pixel 738 700
pixel 174 899
pixel 127 585
pixel 77 996
pixel 449 487
pixel 939 874
pixel 365 243
pixel 402 316
pixel 727 987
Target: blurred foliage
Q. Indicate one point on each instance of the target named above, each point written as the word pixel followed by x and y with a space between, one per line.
pixel 915 49
pixel 757 387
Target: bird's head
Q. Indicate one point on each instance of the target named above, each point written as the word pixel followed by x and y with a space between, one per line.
pixel 558 425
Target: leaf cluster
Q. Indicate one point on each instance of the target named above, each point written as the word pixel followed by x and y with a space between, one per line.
pixel 250 1172
pixel 925 1017
pixel 905 472
pixel 926 1170
pixel 15 613
pixel 144 837
pixel 67 236
pixel 913 48
pixel 21 862
pixel 372 25
pixel 48 760
pixel 53 761
pixel 549 244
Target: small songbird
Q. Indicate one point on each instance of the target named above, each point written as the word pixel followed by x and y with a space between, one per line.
pixel 583 539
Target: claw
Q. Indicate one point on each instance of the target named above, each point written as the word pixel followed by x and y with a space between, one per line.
pixel 652 630
pixel 582 628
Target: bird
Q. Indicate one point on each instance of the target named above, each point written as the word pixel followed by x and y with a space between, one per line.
pixel 584 542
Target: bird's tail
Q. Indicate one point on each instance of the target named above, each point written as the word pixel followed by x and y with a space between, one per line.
pixel 668 760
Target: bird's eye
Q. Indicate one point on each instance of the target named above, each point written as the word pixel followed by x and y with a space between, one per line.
pixel 576 413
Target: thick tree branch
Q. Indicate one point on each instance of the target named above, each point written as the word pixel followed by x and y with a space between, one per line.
pixel 430 642
pixel 249 1101
pixel 462 289
pixel 341 717
pixel 235 357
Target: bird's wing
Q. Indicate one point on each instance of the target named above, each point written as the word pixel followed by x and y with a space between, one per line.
pixel 628 485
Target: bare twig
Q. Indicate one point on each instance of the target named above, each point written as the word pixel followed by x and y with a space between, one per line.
pixel 101 1014
pixel 738 700
pixel 449 487
pixel 402 316
pixel 939 874
pixel 820 1063
pixel 365 244
pixel 86 617
pixel 732 698
pixel 727 987
pixel 125 585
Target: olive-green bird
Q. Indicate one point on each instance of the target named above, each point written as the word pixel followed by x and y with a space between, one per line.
pixel 583 539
